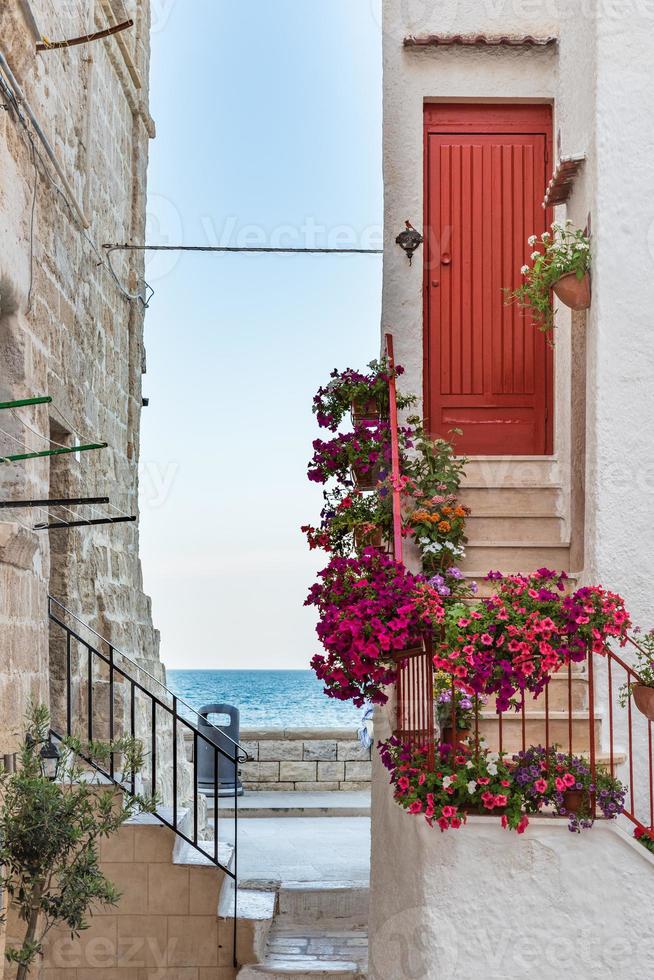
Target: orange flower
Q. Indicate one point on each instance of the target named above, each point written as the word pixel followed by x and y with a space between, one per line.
pixel 447 511
pixel 444 527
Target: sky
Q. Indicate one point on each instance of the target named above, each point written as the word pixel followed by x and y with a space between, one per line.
pixel 268 123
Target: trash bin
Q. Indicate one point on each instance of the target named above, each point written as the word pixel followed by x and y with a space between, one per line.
pixel 221 735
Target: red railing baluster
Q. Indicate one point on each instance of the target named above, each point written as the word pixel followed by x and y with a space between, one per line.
pixel 631 757
pixel 591 713
pixel 610 680
pixel 523 722
pixel 651 772
pixel 570 707
pixel 395 450
pixel 547 718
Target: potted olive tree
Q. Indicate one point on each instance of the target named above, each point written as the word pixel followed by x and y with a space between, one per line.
pixel 53 816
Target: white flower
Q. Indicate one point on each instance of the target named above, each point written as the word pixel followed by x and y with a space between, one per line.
pixel 532 240
pixel 535 255
pixel 469 764
pixel 494 756
pixel 447 781
pixel 472 786
pixel 555 226
pixel 492 769
pixel 545 237
pixel 524 270
pixel 569 222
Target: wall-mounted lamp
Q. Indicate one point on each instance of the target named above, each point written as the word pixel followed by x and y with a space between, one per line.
pixel 409 240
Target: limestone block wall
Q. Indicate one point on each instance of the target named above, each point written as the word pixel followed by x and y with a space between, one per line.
pixel 67 330
pixel 303 760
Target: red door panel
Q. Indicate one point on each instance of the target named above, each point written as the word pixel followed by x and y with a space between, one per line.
pixel 488 371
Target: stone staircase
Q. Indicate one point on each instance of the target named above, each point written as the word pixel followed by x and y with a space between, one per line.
pixel 520 522
pixel 519 518
pixel 319 929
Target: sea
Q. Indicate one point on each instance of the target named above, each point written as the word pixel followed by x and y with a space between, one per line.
pixel 266 698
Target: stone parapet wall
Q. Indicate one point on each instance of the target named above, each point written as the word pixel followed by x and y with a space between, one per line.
pixel 306 760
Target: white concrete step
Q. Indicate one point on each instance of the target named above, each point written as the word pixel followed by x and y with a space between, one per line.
pixel 512 557
pixel 319 950
pixel 310 902
pixel 512 471
pixel 297 804
pixel 255 913
pixel 292 969
pixel 550 530
pixel 544 501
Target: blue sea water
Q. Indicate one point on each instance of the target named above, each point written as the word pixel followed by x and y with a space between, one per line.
pixel 266 698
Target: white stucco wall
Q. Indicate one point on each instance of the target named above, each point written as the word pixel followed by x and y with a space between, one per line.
pixel 599 80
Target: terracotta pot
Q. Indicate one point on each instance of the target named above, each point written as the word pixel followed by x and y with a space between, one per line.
pixel 573 800
pixel 365 409
pixel 644 698
pixel 365 480
pixel 461 735
pixel 367 539
pixel 573 292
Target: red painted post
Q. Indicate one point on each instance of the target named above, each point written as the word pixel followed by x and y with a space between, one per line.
pixel 395 451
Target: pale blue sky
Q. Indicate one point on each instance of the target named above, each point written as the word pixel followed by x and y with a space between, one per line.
pixel 268 115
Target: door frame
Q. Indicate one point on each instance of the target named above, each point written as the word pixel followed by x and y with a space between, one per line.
pixel 484 118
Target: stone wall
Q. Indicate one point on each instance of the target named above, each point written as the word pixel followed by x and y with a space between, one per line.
pixel 307 760
pixel 67 330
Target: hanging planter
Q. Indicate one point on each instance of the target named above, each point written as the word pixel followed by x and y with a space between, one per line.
pixel 573 291
pixel 365 477
pixel 367 537
pixel 574 801
pixel 366 408
pixel 449 737
pixel 561 264
pixel 644 698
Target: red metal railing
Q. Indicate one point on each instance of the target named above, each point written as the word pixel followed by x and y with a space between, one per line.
pixel 620 739
pixel 578 711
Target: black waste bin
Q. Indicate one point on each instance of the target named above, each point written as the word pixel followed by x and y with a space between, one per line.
pixel 224 736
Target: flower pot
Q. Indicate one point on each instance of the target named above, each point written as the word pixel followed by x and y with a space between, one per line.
pixel 367 539
pixel 365 479
pixel 644 698
pixel 461 735
pixel 365 409
pixel 573 292
pixel 574 800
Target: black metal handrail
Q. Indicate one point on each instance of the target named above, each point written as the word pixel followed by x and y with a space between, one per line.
pixel 152 718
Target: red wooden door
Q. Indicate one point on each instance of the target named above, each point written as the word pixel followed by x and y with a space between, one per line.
pixel 488 370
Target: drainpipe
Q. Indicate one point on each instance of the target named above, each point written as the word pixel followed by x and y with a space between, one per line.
pixel 30 20
pixel 21 100
pixel 127 58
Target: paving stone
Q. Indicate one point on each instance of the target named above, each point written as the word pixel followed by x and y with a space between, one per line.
pixel 297 771
pixel 353 752
pixel 280 750
pixel 358 770
pixel 320 750
pixel 331 771
pixel 260 772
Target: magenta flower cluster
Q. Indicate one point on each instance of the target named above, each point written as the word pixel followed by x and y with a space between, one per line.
pixel 369 608
pixel 367 448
